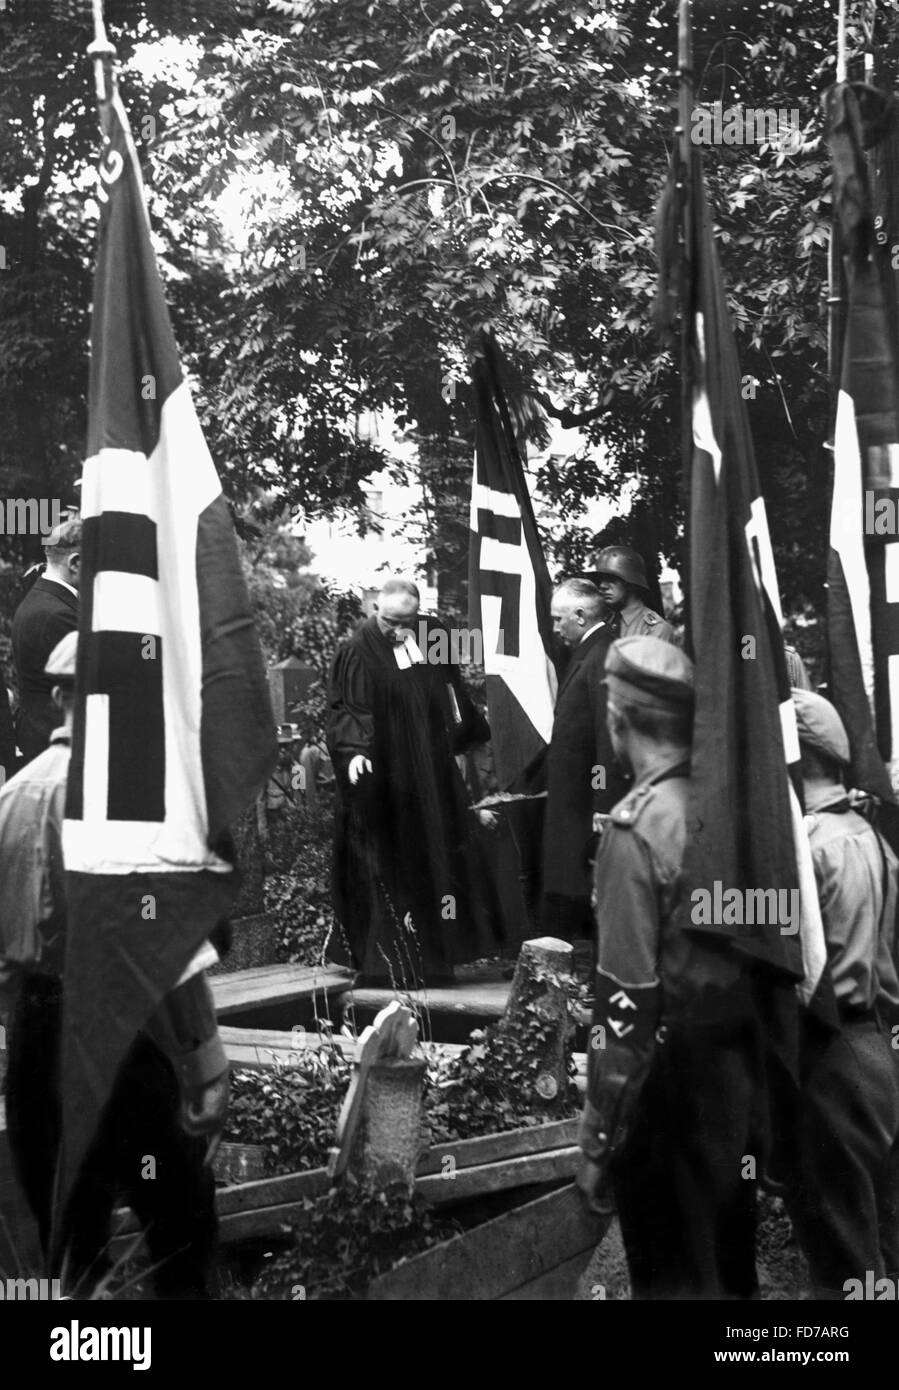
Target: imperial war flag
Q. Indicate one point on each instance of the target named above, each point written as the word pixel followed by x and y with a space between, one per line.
pixel 173 731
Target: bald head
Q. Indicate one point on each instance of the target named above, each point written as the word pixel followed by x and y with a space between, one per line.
pixel 397 605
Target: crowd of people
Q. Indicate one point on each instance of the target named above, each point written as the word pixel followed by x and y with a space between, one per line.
pixel 677 1129
pixel 673 1134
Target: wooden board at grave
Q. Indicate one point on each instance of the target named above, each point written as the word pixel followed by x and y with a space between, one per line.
pixel 491 1261
pixel 393 1034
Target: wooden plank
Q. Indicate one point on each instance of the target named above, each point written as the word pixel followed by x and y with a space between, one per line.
pixel 479 998
pixel 269 1221
pixel 498 1257
pixel 489 1148
pixel 287 1191
pixel 499 1177
pixel 271 1049
pixel 275 984
pixel 244 1214
pixel 253 1056
pixel 261 1048
pixel 558 1285
pixel 272 1192
pixel 279 1040
pixel 233 1226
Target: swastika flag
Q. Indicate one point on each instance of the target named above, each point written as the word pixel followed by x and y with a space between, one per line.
pixel 509 591
pixel 173 733
pixel 863 559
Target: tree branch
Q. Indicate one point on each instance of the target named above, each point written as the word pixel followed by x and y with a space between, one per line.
pixel 569 419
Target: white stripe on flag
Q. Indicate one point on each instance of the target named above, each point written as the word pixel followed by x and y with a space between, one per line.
pixel 846 532
pixel 811 928
pixel 893 678
pixel 789 731
pixel 758 528
pixel 125 603
pixel 96 769
pixel 118 480
pixel 891 571
pixel 185 483
pixel 530 676
pixel 500 555
pixel 703 428
pixel 488 499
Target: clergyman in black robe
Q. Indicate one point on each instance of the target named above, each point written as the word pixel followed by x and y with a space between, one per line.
pixel 398 713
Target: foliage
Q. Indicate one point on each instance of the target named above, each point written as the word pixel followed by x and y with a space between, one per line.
pixel 298 892
pixel 347 1238
pixel 490 1086
pixel 293 1112
pixel 448 167
pixel 407 174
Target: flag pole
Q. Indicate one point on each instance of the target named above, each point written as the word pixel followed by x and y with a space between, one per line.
pixel 834 254
pixel 683 192
pixel 103 52
pixel 842 64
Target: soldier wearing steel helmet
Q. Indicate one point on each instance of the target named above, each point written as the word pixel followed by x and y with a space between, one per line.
pixel 621 580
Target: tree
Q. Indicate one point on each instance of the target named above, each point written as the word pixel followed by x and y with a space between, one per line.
pixel 420 169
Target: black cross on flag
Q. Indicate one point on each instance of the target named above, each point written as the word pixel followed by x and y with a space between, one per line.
pixel 745 827
pixel 173 732
pixel 509 590
pixel 863 561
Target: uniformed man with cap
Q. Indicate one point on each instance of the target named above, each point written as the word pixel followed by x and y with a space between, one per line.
pixel 620 576
pixel 171 1094
pixel 843 1198
pixel 671 1065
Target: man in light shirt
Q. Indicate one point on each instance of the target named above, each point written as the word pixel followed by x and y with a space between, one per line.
pixel 844 1194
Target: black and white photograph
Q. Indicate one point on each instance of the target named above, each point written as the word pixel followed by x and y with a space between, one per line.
pixel 449 662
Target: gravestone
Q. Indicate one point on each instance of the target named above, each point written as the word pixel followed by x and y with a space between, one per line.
pixel 378 1135
pixel 252 931
pixel 289 682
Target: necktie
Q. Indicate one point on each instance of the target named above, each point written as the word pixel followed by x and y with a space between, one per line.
pixel 614 622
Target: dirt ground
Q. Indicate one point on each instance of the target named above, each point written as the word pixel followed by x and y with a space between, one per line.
pixel 781 1267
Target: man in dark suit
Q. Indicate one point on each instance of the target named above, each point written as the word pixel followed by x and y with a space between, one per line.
pixel 584 780
pixel 46 614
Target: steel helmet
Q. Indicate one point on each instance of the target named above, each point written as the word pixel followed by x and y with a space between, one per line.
pixel 623 563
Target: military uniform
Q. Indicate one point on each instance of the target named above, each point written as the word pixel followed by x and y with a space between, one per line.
pixel 624 564
pixel 645 623
pixel 672 1066
pixel 843 1199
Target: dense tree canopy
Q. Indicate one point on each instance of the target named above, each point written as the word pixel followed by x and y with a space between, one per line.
pixel 408 172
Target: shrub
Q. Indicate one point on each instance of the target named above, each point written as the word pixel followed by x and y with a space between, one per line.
pixel 298 890
pixel 347 1238
pixel 292 1112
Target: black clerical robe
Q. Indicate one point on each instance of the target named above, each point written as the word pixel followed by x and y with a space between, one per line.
pixel 400 871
